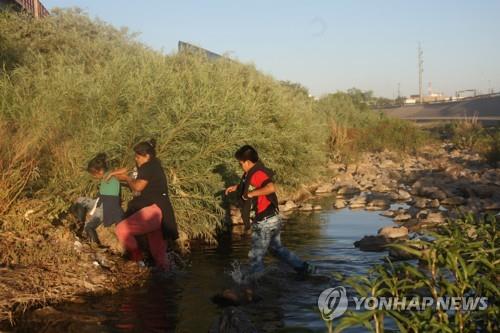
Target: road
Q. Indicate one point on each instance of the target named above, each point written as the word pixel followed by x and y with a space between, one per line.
pixel 486 109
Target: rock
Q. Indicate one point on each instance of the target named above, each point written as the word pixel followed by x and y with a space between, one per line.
pixel 306 207
pixel 402 217
pixel 348 190
pixel 453 201
pixel 434 203
pixel 388 164
pixel 393 232
pixel 317 207
pixel 288 206
pixel 358 202
pixel 372 243
pixel 433 218
pixel 339 204
pixel 422 214
pixel 403 195
pixel 389 213
pixel 421 202
pixel 378 204
pixel 325 188
pixel 432 192
pixel 382 188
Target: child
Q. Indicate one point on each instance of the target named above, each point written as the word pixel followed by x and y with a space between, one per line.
pixel 258 193
pixel 106 208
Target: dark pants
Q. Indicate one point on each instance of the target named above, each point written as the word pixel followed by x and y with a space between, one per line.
pixel 93 221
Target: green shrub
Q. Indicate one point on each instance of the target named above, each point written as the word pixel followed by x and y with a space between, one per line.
pixel 354 128
pixel 462 261
pixel 72 87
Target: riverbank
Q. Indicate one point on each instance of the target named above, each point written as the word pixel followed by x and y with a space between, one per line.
pixel 437 184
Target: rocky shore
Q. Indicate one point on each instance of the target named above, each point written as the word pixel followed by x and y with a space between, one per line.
pixel 418 192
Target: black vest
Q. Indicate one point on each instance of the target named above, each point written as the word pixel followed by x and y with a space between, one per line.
pixel 247 205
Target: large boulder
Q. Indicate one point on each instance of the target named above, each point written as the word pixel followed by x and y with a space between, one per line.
pixel 325 188
pixel 393 232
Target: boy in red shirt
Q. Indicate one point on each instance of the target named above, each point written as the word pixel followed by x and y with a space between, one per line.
pixel 257 195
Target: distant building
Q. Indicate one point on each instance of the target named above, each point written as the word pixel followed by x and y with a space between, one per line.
pixel 34 7
pixel 186 47
pixel 410 100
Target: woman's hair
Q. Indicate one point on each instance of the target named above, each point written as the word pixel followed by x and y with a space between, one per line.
pixel 146 148
pixel 98 163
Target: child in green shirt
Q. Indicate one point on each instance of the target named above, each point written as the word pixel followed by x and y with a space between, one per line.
pixel 106 208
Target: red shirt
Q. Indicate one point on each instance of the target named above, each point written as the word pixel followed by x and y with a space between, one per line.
pixel 258 179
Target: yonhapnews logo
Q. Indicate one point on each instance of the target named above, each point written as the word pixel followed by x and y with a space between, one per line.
pixel 333 303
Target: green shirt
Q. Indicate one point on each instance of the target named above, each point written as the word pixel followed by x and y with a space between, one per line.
pixel 110 187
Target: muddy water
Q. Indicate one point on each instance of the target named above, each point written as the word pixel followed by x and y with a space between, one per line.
pixel 182 303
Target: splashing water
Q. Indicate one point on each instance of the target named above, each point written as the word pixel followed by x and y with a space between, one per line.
pixel 236 272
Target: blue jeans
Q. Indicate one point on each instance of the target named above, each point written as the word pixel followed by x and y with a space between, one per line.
pixel 266 235
pixel 92 222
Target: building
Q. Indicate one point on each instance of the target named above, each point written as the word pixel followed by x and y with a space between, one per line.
pixel 186 47
pixel 34 7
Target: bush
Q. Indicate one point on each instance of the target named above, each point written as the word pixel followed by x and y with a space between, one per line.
pixel 71 87
pixel 354 128
pixel 462 261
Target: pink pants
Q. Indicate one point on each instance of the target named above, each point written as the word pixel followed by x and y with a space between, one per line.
pixel 146 221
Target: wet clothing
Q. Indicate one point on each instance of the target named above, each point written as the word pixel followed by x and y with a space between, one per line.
pixel 155 193
pixel 266 235
pixel 266 226
pixel 262 206
pixel 93 221
pixel 146 221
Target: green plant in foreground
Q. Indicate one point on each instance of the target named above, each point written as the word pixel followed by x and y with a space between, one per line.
pixel 462 261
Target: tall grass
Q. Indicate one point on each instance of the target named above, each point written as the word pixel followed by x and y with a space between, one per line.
pixel 470 134
pixel 71 87
pixel 354 128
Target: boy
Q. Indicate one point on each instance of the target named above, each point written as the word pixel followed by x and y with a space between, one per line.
pixel 257 193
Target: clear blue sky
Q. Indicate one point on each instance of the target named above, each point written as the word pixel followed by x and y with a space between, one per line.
pixel 329 45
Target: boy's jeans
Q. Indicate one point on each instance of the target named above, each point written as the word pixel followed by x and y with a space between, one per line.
pixel 93 221
pixel 266 235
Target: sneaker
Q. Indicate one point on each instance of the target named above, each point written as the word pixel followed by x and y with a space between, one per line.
pixel 307 269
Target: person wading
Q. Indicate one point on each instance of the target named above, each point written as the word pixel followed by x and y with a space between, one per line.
pixel 257 194
pixel 150 213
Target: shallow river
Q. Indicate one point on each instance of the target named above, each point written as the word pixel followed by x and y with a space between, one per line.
pixel 182 303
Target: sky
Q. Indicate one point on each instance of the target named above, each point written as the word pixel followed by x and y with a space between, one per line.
pixel 328 45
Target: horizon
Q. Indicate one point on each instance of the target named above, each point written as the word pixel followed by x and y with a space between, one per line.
pixel 378 40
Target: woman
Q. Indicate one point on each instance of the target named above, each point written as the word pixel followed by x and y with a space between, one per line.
pixel 150 212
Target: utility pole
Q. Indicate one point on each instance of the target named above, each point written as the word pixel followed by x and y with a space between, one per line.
pixel 420 71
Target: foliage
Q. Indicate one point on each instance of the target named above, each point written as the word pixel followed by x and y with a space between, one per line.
pixel 355 128
pixel 461 261
pixel 71 87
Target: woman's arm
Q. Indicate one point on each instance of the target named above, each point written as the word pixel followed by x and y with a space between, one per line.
pixel 136 185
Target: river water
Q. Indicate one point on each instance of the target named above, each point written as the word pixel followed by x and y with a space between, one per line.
pixel 183 303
